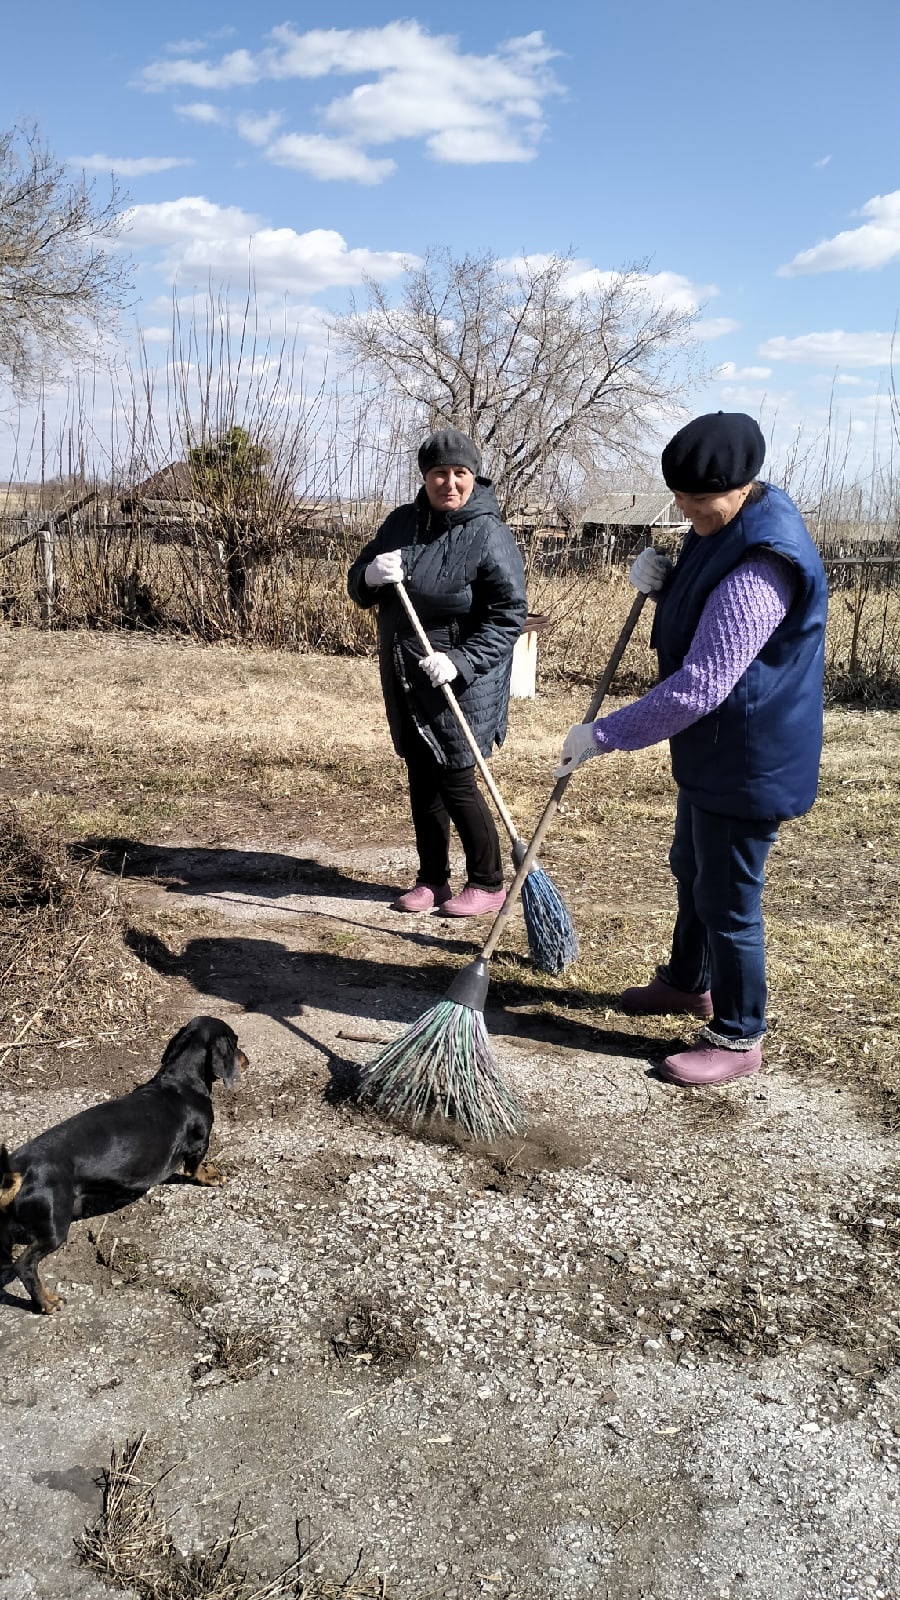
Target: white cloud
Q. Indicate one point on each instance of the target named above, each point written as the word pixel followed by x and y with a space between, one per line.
pixel 729 372
pixel 130 166
pixel 201 111
pixel 192 47
pixel 715 327
pixel 196 237
pixel 668 289
pixel 327 159
pixel 833 349
pixel 744 397
pixel 676 292
pixel 235 69
pixel 322 51
pixel 473 147
pixel 862 249
pixel 428 90
pixel 822 162
pixel 192 217
pixel 258 130
pixel 467 109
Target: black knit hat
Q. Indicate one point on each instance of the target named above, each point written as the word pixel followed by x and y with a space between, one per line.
pixel 449 448
pixel 721 451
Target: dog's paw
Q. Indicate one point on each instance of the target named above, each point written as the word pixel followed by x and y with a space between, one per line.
pixel 51 1302
pixel 208 1176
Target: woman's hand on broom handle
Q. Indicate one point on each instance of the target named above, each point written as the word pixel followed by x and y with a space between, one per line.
pixel 438 669
pixel 578 746
pixel 384 568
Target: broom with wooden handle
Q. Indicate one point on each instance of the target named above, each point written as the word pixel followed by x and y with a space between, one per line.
pixel 552 939
pixel 444 1062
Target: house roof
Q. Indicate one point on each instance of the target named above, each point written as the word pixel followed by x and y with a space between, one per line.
pixel 626 509
pixel 172 482
pixel 536 513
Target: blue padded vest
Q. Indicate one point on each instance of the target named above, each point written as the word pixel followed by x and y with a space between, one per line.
pixel 757 755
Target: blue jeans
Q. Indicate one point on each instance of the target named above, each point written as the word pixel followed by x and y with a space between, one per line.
pixel 718 944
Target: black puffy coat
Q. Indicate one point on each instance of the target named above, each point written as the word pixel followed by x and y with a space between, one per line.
pixel 465 578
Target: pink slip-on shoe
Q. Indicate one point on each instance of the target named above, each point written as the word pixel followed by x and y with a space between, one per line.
pixel 474 902
pixel 658 998
pixel 708 1065
pixel 422 897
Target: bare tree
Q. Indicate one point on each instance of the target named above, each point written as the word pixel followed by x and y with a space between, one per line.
pixel 236 417
pixel 558 376
pixel 58 276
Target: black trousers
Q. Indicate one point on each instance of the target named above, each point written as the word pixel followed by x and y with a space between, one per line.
pixel 439 796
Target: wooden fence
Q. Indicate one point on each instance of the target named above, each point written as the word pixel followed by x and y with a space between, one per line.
pixel 848 563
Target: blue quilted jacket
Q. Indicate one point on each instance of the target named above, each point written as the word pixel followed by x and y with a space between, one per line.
pixel 465 578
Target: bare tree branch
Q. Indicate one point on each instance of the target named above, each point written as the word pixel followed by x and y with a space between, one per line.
pixel 554 382
pixel 58 275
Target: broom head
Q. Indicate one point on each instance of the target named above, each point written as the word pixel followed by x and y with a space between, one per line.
pixel 443 1064
pixel 552 939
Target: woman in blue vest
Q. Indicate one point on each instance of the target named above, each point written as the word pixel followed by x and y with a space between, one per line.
pixel 739 632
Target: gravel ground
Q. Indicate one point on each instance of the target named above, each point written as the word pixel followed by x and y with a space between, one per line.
pixel 648 1351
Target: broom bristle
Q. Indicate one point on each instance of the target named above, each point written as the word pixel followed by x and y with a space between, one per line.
pixel 552 939
pixel 443 1063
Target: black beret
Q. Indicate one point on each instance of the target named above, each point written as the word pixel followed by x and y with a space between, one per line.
pixel 449 448
pixel 721 451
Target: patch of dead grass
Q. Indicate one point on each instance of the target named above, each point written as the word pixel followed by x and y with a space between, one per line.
pixel 235 1353
pixel 132 1547
pixel 374 1336
pixel 67 980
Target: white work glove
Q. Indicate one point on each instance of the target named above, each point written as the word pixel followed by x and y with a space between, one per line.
pixel 386 568
pixel 649 571
pixel 579 745
pixel 438 669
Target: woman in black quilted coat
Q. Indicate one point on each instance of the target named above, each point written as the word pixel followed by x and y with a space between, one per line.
pixel 465 578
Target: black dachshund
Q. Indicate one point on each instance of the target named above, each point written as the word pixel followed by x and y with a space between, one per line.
pixel 113 1153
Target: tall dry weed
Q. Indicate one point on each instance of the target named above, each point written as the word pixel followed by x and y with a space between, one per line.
pixel 232 494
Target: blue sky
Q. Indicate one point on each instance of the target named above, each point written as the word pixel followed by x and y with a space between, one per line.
pixel 749 154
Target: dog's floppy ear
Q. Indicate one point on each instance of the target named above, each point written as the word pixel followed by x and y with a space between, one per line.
pixel 224 1056
pixel 205 1046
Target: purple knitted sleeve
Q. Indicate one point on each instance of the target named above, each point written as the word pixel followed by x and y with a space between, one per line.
pixel 737 619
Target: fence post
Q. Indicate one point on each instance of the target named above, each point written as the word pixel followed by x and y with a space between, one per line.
pixel 45 550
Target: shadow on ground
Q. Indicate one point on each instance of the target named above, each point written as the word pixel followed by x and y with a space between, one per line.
pixel 266 977
pixel 186 871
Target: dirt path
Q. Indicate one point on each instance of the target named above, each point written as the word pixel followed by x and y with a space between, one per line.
pixel 648 1350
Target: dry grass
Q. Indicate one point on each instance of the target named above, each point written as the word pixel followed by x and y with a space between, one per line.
pixel 131 1547
pixel 134 732
pixel 18 497
pixel 234 1353
pixel 374 1336
pixel 156 741
pixel 66 978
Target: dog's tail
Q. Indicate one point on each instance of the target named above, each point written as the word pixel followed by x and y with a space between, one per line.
pixel 10 1181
